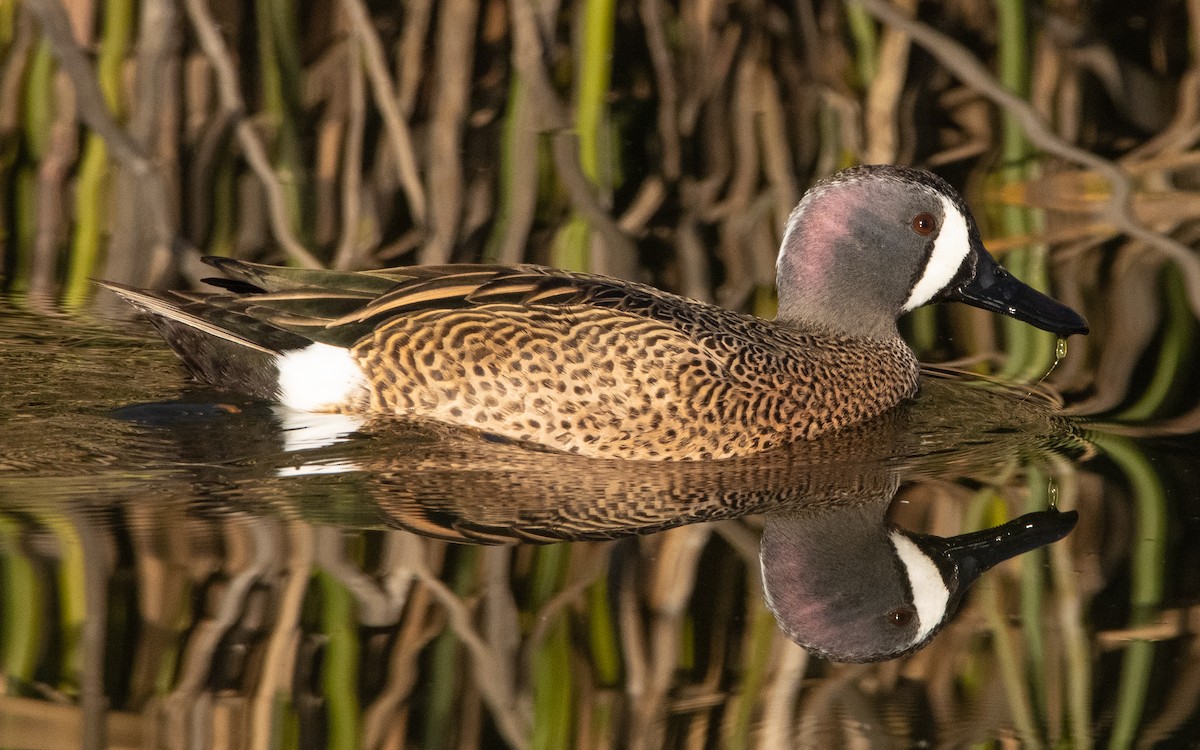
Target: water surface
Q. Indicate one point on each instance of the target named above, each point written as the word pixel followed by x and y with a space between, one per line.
pixel 187 568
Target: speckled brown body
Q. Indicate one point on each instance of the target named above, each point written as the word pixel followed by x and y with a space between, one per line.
pixel 643 374
pixel 574 362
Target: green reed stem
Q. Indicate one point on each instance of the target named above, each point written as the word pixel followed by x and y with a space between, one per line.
pixel 38 101
pixel 1075 660
pixel 602 635
pixel 571 249
pixel 38 111
pixel 988 509
pixel 1030 352
pixel 517 102
pixel 922 329
pixel 1033 566
pixel 443 691
pixel 762 638
pixel 1146 574
pixel 285 725
pixel 91 186
pixel 8 22
pixel 87 241
pixel 72 599
pixel 866 42
pixel 280 72
pixel 595 75
pixel 1012 54
pixel 26 230
pixel 339 673
pixel 222 234
pixel 766 302
pixel 91 192
pixel 21 600
pixel 446 674
pixel 1178 341
pixel 553 693
pixel 283 26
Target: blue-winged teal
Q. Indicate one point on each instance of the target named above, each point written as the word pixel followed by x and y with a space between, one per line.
pixel 604 367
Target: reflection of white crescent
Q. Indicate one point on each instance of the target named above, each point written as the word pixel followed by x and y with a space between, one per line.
pixel 930 595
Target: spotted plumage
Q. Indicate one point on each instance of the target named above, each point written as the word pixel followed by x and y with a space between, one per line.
pixel 603 367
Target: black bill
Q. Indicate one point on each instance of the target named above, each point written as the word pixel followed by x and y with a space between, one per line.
pixel 993 288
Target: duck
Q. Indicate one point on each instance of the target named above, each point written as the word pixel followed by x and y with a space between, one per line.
pixel 603 367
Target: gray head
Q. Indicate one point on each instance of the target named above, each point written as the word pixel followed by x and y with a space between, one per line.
pixel 871 243
pixel 850 587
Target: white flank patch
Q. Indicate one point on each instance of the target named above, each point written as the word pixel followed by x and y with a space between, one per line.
pixel 930 594
pixel 951 246
pixel 318 377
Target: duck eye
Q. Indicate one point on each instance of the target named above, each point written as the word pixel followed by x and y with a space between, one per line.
pixel 900 616
pixel 924 224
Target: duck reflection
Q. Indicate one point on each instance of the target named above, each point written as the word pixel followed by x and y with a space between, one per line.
pixel 841 579
pixel 848 586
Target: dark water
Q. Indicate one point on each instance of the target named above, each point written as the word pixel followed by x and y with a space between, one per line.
pixel 183 568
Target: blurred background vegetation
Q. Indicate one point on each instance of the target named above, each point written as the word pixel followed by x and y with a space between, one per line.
pixel 660 141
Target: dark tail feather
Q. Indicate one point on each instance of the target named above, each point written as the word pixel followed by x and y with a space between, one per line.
pixel 221 347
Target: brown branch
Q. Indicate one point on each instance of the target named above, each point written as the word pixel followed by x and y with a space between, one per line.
pixel 262 538
pixel 375 606
pixel 521 179
pixel 385 98
pixel 668 91
pixel 94 112
pixel 528 54
pixel 777 158
pixel 959 60
pixel 695 277
pixel 217 53
pixel 94 548
pixel 410 59
pixel 278 662
pixel 350 241
pixel 499 697
pixel 883 95
pixel 16 62
pixel 455 52
pixel 130 256
pixel 779 712
pixel 52 173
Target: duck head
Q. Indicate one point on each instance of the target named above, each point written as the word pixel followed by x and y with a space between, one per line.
pixel 871 243
pixel 850 587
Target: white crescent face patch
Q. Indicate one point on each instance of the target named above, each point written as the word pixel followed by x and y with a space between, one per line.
pixel 949 249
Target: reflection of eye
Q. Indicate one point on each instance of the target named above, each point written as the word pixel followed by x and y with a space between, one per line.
pixel 900 616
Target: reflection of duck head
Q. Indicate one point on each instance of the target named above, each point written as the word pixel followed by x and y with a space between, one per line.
pixel 848 586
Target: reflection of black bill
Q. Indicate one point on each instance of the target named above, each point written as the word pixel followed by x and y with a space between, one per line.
pixel 962 558
pixel 995 289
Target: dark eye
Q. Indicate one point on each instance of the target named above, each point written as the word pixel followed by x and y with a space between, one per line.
pixel 900 616
pixel 924 224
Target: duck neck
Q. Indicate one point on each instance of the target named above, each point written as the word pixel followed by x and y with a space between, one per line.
pixel 836 321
